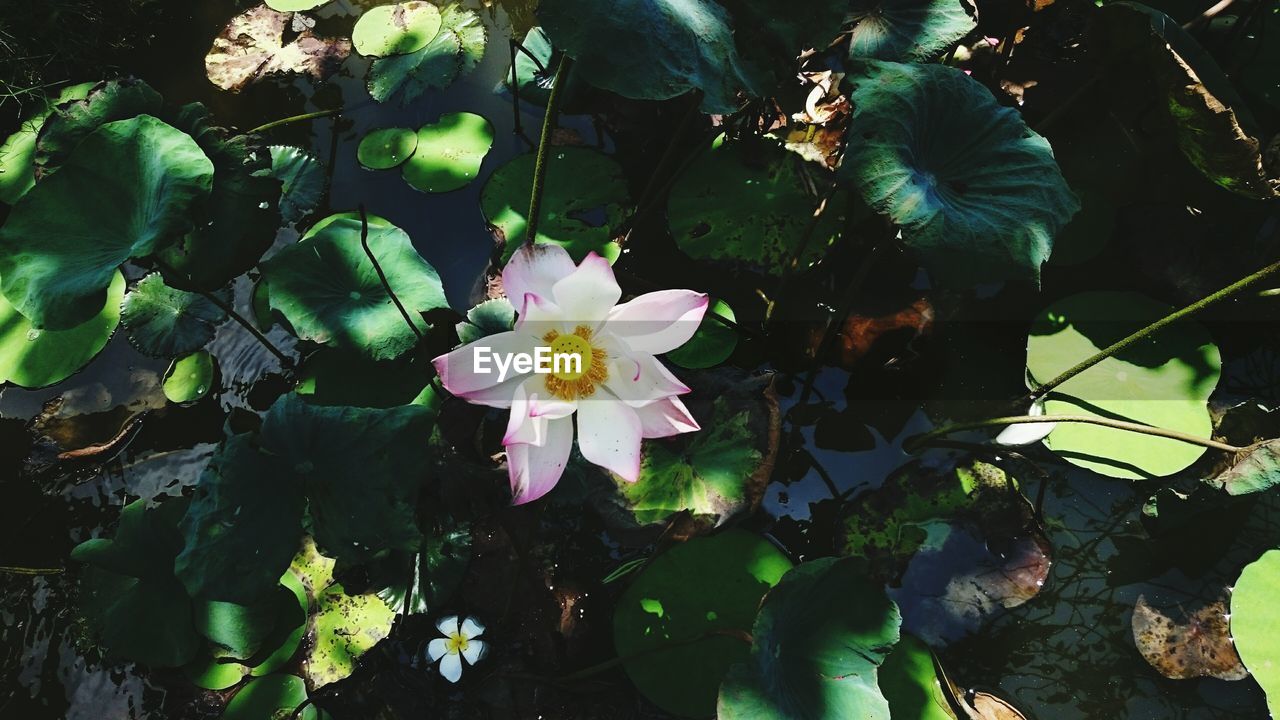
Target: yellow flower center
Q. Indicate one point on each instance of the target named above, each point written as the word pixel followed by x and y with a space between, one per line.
pixel 569 381
pixel 456 643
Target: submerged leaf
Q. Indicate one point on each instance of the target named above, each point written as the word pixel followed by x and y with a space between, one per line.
pixel 164 322
pixel 1199 647
pixel 252 47
pixel 1257 470
pixel 976 192
pixel 33 358
pixel 914 30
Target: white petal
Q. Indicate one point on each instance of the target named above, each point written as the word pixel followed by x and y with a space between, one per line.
pixel 665 418
pixel 533 469
pixel 1022 434
pixel 448 626
pixel 587 296
pixel 522 425
pixel 609 436
pixel 475 650
pixel 451 667
pixel 540 317
pixel 658 322
pixel 437 649
pixel 471 628
pixel 640 378
pixel 533 271
pixel 471 372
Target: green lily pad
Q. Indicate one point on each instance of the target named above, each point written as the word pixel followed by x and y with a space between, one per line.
pixel 125 191
pixel 128 594
pixel 1255 623
pixel 243 525
pixel 164 322
pixel 583 200
pixel 267 698
pixel 534 76
pixel 450 152
pixel 748 204
pixel 330 292
pixel 240 631
pixel 210 674
pixel 302 181
pixel 916 30
pixel 418 583
pixel 190 377
pixel 33 358
pixel 434 67
pixel 818 641
pixel 387 148
pixel 72 122
pixel 1164 382
pixel 17 154
pixel 360 469
pixel 337 377
pixel 470 31
pixel 289 630
pixel 712 344
pixel 341 627
pixel 396 29
pixel 976 192
pixel 488 318
pixel 693 590
pixel 1255 471
pixel 910 684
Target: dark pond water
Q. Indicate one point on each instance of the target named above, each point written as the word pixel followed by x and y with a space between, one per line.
pixel 1066 653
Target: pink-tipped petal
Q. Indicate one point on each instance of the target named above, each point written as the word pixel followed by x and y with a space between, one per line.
pixel 535 469
pixel 640 378
pixel 522 426
pixel 539 317
pixel 587 296
pixel 609 436
pixel 665 418
pixel 471 371
pixel 534 270
pixel 658 322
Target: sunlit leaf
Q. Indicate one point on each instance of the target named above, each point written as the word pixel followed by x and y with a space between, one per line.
pixel 1256 470
pixel 905 31
pixel 164 322
pixel 396 29
pixel 191 377
pixel 253 46
pixel 449 153
pixel 302 181
pixel 17 154
pixel 387 148
pixel 33 358
pixel 1255 623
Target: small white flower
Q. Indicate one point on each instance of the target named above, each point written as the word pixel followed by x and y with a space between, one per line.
pixel 1021 434
pixel 459 642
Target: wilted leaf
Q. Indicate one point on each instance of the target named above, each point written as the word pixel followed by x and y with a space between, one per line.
pixel 1199 646
pixel 1256 470
pixel 252 47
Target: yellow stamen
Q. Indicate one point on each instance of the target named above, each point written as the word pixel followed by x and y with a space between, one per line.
pixel 564 382
pixel 456 643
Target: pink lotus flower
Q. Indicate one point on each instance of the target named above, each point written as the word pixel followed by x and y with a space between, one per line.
pixel 620 392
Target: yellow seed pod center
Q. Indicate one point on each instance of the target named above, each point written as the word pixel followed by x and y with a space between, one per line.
pixel 565 368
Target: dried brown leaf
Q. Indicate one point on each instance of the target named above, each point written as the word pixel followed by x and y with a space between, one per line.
pixel 1200 646
pixel 252 46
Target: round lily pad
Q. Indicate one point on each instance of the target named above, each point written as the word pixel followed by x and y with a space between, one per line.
pixel 34 358
pixel 190 378
pixel 915 30
pixel 330 292
pixel 689 593
pixel 434 67
pixel 712 344
pixel 583 200
pixel 396 29
pixel 747 204
pixel 1255 623
pixel 976 192
pixel 387 148
pixel 910 683
pixel 270 697
pixel 164 322
pixel 1164 382
pixel 17 154
pixel 450 152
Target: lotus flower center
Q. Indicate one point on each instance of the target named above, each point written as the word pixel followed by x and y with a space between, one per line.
pixel 572 380
pixel 457 643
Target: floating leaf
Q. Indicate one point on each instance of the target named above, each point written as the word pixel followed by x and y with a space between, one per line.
pixel 243 525
pixel 252 47
pixel 584 196
pixel 821 634
pixel 535 70
pixel 488 318
pixel 748 204
pixel 125 191
pixel 976 192
pixel 210 674
pixel 423 581
pixel 33 358
pixel 693 592
pixel 339 377
pixel 360 469
pixel 387 148
pixel 434 67
pixel 17 154
pixel 239 631
pixel 1256 470
pixel 450 152
pixel 910 683
pixel 915 30
pixel 330 293
pixel 470 31
pixel 163 322
pixel 190 378
pixel 302 181
pixel 274 696
pixel 1255 623
pixel 712 344
pixel 1213 126
pixel 72 122
pixel 1164 382
pixel 1199 647
pixel 128 593
pixel 396 29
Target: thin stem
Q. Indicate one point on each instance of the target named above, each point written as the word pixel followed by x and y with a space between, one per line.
pixel 382 276
pixel 1231 290
pixel 285 360
pixel 17 570
pixel 916 442
pixel 668 155
pixel 544 149
pixel 293 119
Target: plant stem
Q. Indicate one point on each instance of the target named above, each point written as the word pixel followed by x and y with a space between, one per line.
pixel 1231 290
pixel 382 276
pixel 293 119
pixel 916 442
pixel 285 360
pixel 544 149
pixel 16 570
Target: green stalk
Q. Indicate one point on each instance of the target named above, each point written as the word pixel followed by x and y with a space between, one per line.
pixel 293 119
pixel 916 442
pixel 544 149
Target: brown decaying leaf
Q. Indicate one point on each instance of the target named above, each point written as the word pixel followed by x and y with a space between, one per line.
pixel 976 705
pixel 817 134
pixel 252 46
pixel 861 332
pixel 1199 647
